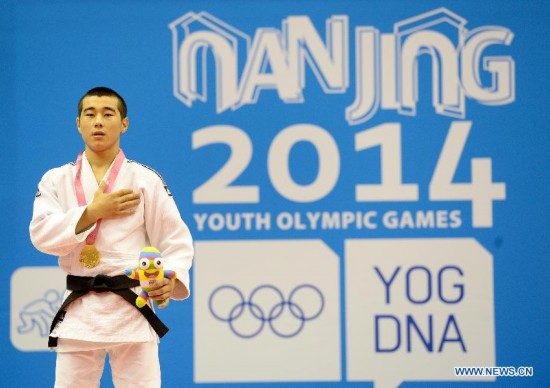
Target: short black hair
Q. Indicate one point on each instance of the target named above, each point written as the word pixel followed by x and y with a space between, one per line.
pixel 101 91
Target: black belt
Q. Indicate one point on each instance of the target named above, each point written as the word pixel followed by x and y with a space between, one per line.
pixel 120 285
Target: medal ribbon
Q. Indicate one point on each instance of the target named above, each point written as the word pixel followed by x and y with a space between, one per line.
pixel 81 198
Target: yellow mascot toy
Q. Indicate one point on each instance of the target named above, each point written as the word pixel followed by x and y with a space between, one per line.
pixel 151 268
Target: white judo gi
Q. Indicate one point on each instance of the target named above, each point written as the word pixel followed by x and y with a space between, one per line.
pixel 99 319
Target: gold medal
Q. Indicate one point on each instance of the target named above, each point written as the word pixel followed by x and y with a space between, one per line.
pixel 89 256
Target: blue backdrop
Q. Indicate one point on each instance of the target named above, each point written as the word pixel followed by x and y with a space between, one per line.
pixel 366 181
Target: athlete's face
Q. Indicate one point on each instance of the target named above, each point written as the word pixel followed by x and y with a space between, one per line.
pixel 100 123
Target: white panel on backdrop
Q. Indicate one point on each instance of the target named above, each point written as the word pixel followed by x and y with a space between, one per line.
pixel 266 311
pixel 36 295
pixel 416 308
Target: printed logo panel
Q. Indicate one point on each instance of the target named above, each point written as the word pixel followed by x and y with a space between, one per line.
pixel 261 308
pixel 36 295
pixel 417 308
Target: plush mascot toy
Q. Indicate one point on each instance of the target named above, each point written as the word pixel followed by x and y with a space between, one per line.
pixel 150 269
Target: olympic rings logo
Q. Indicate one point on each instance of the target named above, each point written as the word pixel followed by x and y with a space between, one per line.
pixel 266 305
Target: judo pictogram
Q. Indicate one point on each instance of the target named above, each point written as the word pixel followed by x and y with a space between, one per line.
pixel 39 313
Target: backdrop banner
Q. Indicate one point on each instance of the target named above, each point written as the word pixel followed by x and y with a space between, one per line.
pixel 366 182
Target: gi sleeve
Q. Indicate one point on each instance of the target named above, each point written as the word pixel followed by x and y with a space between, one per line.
pixel 168 232
pixel 52 228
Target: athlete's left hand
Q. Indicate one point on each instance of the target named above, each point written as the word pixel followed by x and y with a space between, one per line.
pixel 163 291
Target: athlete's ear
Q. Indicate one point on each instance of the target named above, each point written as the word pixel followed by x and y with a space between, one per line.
pixel 78 125
pixel 125 124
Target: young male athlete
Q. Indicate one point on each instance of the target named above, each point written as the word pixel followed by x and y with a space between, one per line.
pixel 96 214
